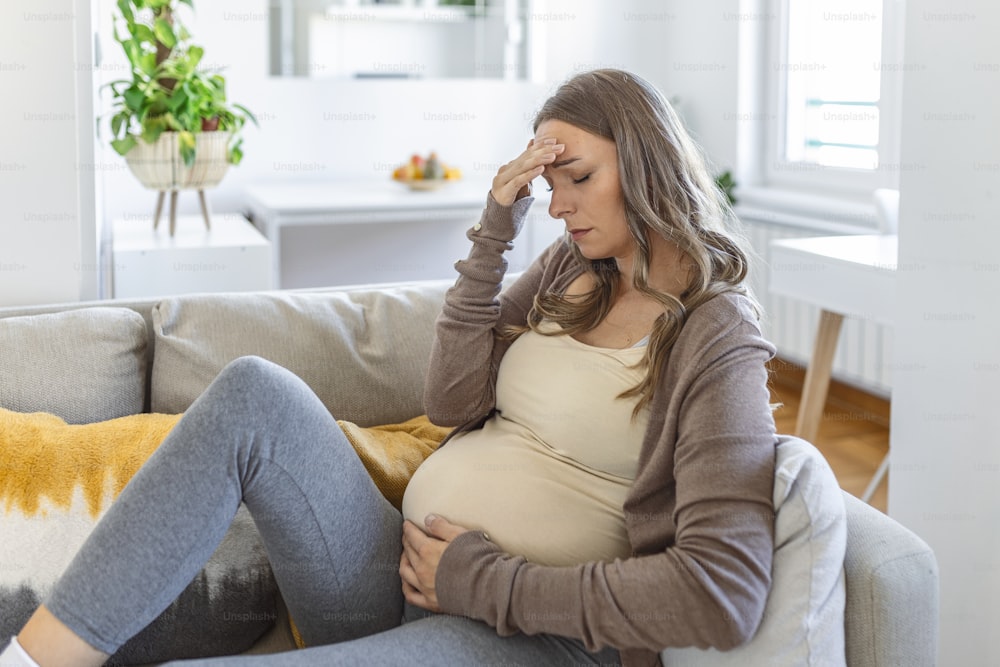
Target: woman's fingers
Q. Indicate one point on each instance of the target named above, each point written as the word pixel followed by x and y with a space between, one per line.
pixel 512 179
pixel 411 582
pixel 416 574
pixel 441 528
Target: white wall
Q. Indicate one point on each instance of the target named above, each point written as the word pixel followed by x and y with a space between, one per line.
pixel 310 130
pixel 323 129
pixel 48 244
pixel 688 49
pixel 318 130
pixel 945 470
pixel 326 129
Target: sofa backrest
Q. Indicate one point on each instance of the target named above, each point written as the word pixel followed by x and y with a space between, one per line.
pixel 362 348
pixel 363 351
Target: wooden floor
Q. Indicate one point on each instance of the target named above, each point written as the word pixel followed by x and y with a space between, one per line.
pixel 853 436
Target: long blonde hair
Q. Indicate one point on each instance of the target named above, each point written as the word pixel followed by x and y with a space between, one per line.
pixel 667 191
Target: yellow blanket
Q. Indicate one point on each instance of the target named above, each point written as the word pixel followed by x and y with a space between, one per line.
pixel 43 457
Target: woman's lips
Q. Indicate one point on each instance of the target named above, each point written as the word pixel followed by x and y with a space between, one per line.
pixel 577 234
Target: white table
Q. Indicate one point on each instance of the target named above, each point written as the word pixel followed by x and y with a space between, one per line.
pixel 845 276
pixel 376 230
pixel 232 256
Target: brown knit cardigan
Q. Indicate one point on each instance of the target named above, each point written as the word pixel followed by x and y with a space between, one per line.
pixel 699 515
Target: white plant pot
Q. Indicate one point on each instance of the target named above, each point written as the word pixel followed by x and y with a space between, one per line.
pixel 159 165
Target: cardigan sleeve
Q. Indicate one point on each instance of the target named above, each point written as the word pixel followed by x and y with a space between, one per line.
pixel 705 588
pixel 466 351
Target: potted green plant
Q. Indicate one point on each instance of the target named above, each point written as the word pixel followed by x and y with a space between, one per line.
pixel 171 120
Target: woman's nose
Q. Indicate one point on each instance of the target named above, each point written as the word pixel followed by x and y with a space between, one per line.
pixel 559 205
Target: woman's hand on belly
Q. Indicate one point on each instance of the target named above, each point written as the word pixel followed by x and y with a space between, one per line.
pixel 422 551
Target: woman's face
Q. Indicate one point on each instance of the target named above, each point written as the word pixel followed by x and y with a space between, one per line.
pixel 587 192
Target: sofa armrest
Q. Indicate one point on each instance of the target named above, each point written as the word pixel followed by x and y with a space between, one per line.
pixel 891 616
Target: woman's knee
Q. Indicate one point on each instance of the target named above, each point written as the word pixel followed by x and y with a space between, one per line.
pixel 251 371
pixel 250 389
pixel 251 378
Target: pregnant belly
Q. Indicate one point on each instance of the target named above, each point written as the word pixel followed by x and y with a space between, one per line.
pixel 530 501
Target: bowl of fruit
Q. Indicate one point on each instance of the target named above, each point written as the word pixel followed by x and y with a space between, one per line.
pixel 429 173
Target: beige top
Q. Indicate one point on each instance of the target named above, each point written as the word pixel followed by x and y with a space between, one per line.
pixel 547 476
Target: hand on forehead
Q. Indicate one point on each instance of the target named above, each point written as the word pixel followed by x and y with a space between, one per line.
pixel 551 130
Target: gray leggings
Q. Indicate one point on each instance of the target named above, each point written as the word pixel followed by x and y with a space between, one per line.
pixel 258 435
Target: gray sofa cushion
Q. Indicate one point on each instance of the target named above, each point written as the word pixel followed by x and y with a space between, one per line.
pixel 363 351
pixel 83 365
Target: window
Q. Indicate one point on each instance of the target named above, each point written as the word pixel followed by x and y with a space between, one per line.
pixel 833 86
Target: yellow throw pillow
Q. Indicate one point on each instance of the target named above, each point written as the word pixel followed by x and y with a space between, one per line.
pixel 391 453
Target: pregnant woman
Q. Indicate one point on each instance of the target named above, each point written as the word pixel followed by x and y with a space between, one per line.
pixel 607 492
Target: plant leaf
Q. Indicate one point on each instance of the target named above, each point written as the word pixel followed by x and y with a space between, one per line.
pixel 187 144
pixel 195 54
pixel 153 129
pixel 124 145
pixel 132 51
pixel 117 121
pixel 134 98
pixel 143 33
pixel 125 7
pixel 172 122
pixel 164 33
pixel 147 64
pixel 235 154
pixel 248 113
pixel 186 139
pixel 113 85
pixel 178 99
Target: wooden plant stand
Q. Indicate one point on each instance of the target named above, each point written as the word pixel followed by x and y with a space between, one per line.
pixel 161 196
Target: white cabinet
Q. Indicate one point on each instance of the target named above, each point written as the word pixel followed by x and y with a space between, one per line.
pixel 232 256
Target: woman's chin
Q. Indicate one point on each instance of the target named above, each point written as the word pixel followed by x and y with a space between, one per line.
pixel 590 253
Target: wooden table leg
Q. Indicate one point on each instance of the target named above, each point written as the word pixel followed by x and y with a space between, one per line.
pixel 173 212
pixel 876 479
pixel 818 376
pixel 204 209
pixel 159 208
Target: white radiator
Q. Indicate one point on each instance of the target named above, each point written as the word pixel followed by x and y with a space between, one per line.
pixel 863 355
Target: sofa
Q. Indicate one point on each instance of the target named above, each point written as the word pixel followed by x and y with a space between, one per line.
pixel 851 585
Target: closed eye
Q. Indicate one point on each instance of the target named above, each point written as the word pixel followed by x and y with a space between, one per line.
pixel 576 181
